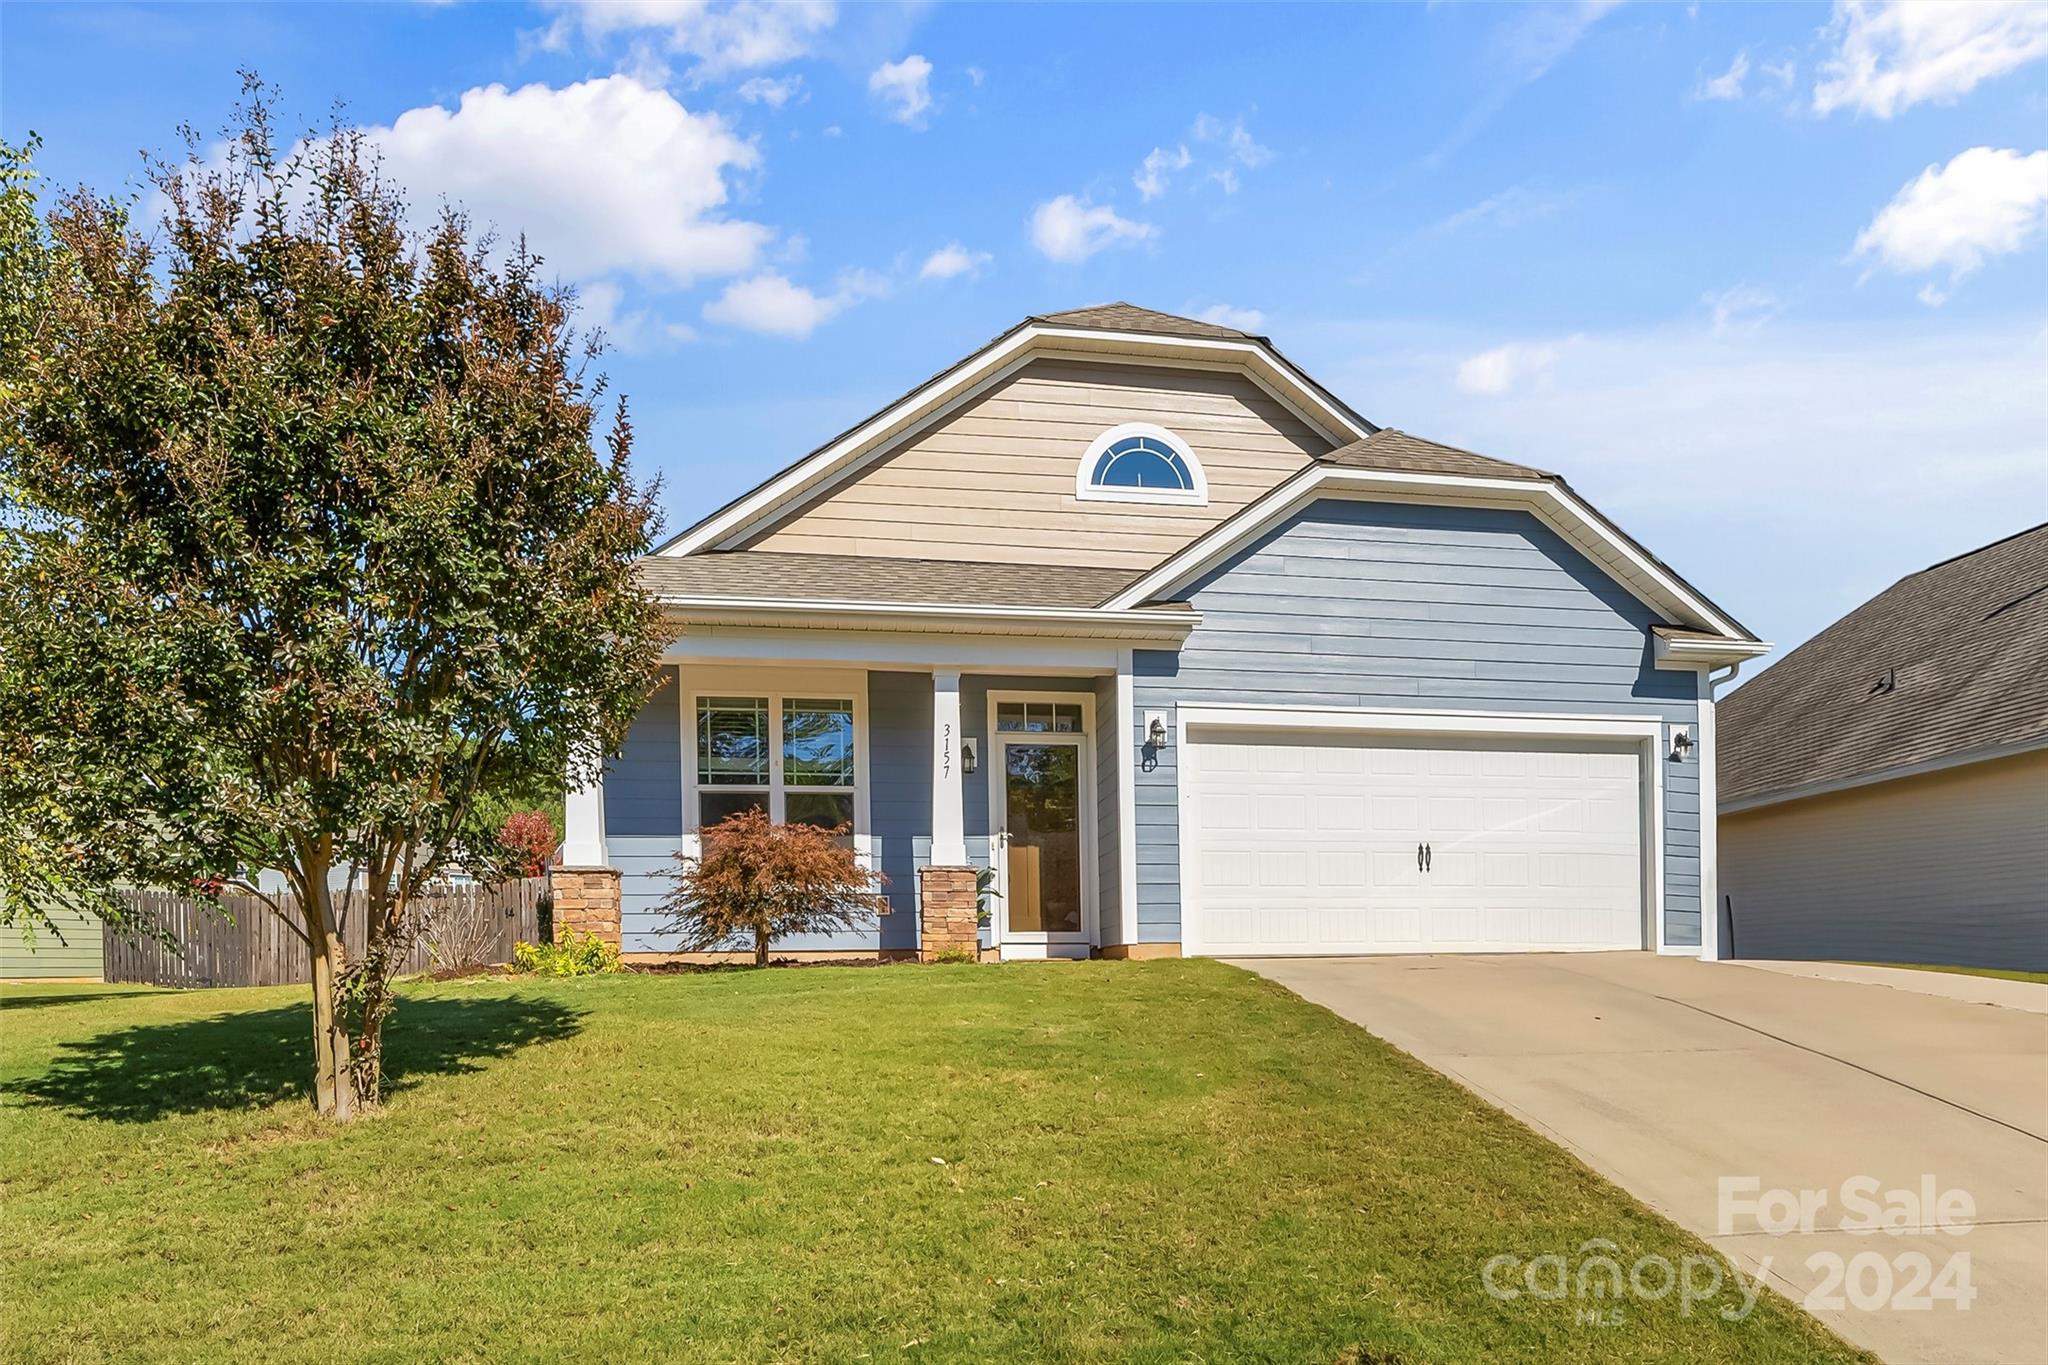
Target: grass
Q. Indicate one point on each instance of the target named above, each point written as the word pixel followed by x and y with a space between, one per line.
pixel 2000 973
pixel 1163 1161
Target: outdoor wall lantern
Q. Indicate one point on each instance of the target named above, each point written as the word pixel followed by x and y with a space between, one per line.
pixel 970 755
pixel 1681 744
pixel 1155 729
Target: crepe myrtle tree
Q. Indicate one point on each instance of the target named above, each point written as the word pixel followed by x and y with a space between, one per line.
pixel 307 556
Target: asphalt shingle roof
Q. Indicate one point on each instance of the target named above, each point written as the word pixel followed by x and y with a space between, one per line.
pixel 1947 661
pixel 754 574
pixel 1128 317
pixel 1390 448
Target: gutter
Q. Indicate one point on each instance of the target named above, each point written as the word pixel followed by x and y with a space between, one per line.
pixel 1688 652
pixel 1871 779
pixel 1149 625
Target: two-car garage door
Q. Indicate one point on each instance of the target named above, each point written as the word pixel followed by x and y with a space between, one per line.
pixel 1346 843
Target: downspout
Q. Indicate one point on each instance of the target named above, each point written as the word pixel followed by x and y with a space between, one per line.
pixel 1717 939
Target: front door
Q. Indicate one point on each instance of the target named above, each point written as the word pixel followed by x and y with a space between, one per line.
pixel 1042 805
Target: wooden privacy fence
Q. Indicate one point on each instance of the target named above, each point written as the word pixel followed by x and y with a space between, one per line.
pixel 460 926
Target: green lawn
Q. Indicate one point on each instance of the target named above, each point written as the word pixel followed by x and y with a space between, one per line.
pixel 2001 973
pixel 1166 1161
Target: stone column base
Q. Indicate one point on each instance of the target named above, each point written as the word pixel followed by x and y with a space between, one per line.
pixel 948 913
pixel 587 901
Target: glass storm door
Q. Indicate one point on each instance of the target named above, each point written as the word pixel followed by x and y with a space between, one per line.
pixel 1042 805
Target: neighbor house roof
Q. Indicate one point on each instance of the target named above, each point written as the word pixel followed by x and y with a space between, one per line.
pixel 773 575
pixel 1945 665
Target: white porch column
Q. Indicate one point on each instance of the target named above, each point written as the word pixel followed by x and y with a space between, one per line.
pixel 949 819
pixel 1707 754
pixel 583 826
pixel 1124 734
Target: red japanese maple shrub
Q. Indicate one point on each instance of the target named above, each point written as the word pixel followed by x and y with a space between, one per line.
pixel 757 880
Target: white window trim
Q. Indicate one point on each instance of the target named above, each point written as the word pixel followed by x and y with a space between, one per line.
pixel 777 685
pixel 994 764
pixel 1649 734
pixel 1087 490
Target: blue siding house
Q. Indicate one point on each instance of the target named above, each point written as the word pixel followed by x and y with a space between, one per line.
pixel 1192 658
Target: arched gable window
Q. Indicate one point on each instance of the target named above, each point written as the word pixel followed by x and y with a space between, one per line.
pixel 1139 462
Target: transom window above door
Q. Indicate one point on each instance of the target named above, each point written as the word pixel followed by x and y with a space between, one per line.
pixel 791 756
pixel 1140 462
pixel 1038 717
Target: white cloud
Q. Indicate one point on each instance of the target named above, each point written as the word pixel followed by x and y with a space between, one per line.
pixel 1783 74
pixel 772 305
pixel 905 87
pixel 604 176
pixel 1984 203
pixel 976 75
pixel 1505 368
pixel 1152 173
pixel 1889 57
pixel 1223 315
pixel 1071 229
pixel 600 306
pixel 1227 147
pixel 722 38
pixel 773 91
pixel 1727 85
pixel 1743 307
pixel 1521 49
pixel 1537 37
pixel 1790 472
pixel 1236 141
pixel 1512 207
pixel 950 260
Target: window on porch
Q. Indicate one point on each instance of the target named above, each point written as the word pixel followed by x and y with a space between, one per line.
pixel 789 756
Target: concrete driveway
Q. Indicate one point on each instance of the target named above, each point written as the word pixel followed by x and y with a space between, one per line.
pixel 1666 1074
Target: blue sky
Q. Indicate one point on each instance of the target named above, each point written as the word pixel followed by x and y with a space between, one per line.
pixel 1767 283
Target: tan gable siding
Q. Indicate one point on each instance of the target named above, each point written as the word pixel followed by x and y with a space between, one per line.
pixel 995 480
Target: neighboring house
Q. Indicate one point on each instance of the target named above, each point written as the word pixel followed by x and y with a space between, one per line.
pixel 1884 787
pixel 1131 610
pixel 43 956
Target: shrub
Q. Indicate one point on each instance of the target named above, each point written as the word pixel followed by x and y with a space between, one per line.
pixel 576 955
pixel 528 840
pixel 757 880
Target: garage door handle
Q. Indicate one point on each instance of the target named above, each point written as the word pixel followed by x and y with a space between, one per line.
pixel 1418 856
pixel 1428 857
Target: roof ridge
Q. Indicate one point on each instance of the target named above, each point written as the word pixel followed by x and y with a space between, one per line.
pixel 1987 545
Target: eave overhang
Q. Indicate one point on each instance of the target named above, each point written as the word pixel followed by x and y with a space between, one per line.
pixel 1155 627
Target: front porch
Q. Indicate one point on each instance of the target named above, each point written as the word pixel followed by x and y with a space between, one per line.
pixel 946 756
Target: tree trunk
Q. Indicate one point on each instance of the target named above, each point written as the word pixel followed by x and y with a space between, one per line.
pixel 760 947
pixel 334 1085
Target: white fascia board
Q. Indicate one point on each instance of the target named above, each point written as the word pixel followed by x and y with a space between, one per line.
pixel 1690 655
pixel 1552 504
pixel 1871 779
pixel 1084 622
pixel 989 366
pixel 1268 368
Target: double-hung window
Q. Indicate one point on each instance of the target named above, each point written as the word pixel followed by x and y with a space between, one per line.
pixel 791 756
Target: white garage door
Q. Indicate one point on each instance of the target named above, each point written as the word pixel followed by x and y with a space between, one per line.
pixel 1340 844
